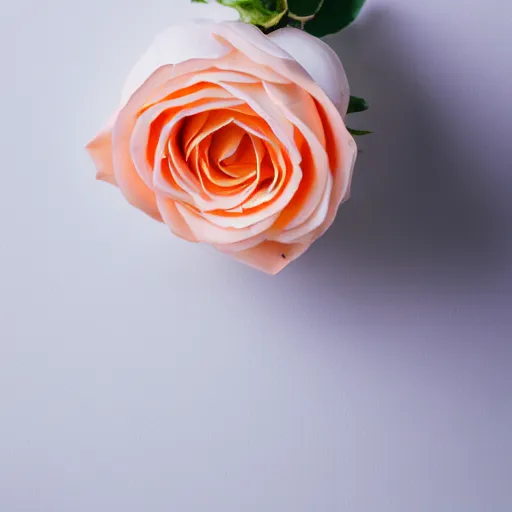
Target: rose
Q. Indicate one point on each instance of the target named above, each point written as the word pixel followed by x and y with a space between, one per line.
pixel 234 138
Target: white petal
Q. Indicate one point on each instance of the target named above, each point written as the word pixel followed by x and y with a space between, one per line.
pixel 247 38
pixel 319 60
pixel 178 43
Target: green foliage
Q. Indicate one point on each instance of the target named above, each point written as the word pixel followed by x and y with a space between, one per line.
pixel 323 17
pixel 333 16
pixel 358 133
pixel 304 8
pixel 264 13
pixel 318 17
pixel 357 105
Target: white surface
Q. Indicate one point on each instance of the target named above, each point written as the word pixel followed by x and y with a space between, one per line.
pixel 140 373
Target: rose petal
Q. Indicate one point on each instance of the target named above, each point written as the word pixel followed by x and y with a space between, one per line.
pixel 173 218
pixel 271 257
pixel 178 43
pixel 342 158
pixel 234 62
pixel 128 180
pixel 100 151
pixel 319 60
pixel 300 109
pixel 179 168
pixel 247 38
pixel 206 231
pixel 166 112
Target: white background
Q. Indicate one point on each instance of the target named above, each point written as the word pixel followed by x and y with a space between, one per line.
pixel 140 373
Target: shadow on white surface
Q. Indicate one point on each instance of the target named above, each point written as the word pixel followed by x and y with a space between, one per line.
pixel 419 212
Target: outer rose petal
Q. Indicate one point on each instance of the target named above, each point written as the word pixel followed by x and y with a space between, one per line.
pixel 100 151
pixel 319 60
pixel 128 180
pixel 178 43
pixel 271 257
pixel 173 218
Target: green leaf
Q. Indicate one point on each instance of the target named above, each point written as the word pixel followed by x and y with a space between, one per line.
pixel 304 8
pixel 333 16
pixel 358 133
pixel 357 105
pixel 200 1
pixel 264 13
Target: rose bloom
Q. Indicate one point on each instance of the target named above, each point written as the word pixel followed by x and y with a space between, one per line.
pixel 234 138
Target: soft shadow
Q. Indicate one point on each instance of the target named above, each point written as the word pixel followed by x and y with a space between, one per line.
pixel 416 212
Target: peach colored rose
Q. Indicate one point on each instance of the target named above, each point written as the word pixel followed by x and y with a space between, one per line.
pixel 234 138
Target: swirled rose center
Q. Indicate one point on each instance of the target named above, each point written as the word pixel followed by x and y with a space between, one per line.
pixel 227 157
